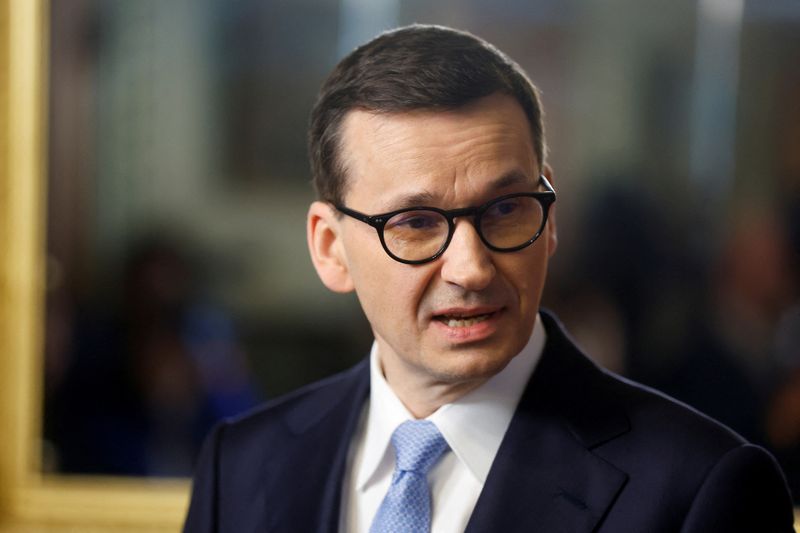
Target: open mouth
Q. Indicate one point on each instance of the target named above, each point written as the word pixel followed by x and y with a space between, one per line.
pixel 463 321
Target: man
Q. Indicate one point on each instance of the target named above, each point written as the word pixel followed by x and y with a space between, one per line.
pixel 436 207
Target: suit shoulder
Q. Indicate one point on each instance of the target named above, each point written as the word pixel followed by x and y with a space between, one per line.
pixel 295 411
pixel 704 475
pixel 281 448
pixel 664 417
pixel 603 405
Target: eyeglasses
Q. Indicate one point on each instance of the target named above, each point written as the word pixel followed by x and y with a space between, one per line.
pixel 417 235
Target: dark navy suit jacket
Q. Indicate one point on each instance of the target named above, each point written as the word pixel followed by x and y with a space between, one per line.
pixel 585 451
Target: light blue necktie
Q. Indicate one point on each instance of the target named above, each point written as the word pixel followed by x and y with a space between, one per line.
pixel 406 507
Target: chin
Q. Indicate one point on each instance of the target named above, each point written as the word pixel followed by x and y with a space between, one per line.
pixel 471 367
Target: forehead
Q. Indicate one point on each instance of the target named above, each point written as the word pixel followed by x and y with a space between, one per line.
pixel 451 157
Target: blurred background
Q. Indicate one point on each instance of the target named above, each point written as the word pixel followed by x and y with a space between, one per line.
pixel 179 285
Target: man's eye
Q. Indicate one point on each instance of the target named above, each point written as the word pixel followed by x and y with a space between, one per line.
pixel 504 208
pixel 416 220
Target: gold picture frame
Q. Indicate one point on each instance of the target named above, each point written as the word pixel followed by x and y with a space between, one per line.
pixel 29 499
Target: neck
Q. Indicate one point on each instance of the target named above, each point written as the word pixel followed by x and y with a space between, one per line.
pixel 422 395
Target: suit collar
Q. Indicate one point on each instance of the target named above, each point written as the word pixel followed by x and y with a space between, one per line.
pixel 546 476
pixel 322 424
pixel 570 385
pixel 330 397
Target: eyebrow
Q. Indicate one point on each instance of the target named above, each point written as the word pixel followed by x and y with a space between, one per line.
pixel 426 198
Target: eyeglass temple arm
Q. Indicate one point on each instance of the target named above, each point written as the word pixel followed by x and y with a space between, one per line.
pixel 371 220
pixel 546 183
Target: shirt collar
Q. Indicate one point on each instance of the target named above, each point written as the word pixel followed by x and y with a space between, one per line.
pixel 492 405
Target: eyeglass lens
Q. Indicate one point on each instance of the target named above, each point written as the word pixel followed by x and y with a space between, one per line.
pixel 505 224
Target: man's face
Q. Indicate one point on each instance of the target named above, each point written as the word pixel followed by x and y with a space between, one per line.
pixel 461 318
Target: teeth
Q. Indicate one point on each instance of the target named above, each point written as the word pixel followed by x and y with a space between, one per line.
pixel 455 322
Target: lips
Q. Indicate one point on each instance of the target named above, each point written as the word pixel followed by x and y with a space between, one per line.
pixel 458 321
pixel 463 318
pixel 464 326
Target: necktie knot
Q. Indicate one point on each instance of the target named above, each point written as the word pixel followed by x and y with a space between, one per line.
pixel 418 446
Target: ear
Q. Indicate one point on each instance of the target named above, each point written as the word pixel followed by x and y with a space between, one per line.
pixel 325 245
pixel 551 229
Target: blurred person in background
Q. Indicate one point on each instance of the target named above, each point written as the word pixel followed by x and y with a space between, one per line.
pixel 729 365
pixel 166 364
pixel 475 410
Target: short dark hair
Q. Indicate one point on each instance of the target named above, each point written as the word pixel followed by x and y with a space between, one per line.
pixel 411 68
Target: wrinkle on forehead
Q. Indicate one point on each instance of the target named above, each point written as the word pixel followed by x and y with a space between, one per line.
pixel 447 156
pixel 426 198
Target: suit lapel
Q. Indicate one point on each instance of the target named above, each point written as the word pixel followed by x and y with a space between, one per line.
pixel 545 476
pixel 309 491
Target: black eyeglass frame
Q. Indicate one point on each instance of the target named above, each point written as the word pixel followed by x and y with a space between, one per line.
pixel 545 198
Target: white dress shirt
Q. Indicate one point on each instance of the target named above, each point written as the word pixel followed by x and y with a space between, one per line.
pixel 473 426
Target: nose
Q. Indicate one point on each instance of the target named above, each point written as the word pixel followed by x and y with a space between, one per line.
pixel 467 262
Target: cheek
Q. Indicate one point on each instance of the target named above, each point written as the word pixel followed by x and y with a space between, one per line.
pixel 386 288
pixel 526 274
